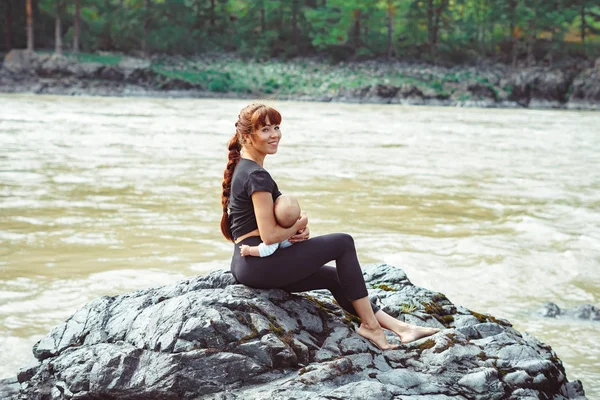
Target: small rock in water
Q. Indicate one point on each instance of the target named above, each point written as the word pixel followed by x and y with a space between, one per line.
pixel 584 312
pixel 549 310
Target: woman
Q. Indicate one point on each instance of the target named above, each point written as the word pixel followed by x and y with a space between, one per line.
pixel 248 219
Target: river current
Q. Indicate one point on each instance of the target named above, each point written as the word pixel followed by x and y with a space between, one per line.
pixel 497 209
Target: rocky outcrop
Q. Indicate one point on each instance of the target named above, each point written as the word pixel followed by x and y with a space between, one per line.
pixel 211 338
pixel 55 74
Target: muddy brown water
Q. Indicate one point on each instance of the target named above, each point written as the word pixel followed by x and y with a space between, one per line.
pixel 498 209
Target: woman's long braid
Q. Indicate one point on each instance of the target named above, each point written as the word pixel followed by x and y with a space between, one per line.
pixel 235 147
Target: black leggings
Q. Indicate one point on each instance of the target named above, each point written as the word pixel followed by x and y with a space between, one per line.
pixel 300 267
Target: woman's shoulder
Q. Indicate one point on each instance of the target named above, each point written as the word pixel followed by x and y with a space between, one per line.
pixel 248 170
pixel 253 177
pixel 249 167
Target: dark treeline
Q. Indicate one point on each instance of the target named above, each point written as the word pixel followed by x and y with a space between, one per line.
pixel 451 31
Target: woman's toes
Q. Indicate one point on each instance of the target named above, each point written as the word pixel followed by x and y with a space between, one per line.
pixel 377 337
pixel 416 333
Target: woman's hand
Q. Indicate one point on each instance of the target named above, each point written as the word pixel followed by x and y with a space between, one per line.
pixel 303 233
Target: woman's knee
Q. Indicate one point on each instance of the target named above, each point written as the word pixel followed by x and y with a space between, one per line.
pixel 345 239
pixel 329 276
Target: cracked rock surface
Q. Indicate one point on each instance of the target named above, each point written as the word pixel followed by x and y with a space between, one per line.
pixel 212 338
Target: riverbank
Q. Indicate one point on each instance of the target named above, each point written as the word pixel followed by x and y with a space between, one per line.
pixel 573 86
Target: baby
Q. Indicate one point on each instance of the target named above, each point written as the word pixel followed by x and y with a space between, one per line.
pixel 287 212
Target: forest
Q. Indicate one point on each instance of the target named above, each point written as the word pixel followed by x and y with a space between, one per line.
pixel 517 32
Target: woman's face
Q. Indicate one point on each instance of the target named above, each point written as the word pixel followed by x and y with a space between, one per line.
pixel 265 140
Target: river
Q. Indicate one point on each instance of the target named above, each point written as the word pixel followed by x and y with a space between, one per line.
pixel 497 209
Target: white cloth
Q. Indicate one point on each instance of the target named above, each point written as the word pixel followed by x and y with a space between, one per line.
pixel 266 250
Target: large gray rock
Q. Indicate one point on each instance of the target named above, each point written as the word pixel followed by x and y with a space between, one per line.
pixel 22 62
pixel 55 66
pixel 541 86
pixel 211 338
pixel 586 86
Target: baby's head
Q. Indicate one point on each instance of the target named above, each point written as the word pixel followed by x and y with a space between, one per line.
pixel 287 210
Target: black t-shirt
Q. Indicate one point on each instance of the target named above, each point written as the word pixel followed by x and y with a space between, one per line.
pixel 248 177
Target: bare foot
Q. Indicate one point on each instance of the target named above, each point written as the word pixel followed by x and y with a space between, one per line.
pixel 377 337
pixel 414 333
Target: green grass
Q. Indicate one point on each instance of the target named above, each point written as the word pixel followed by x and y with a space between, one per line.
pixel 281 78
pixel 190 76
pixel 408 308
pixel 106 59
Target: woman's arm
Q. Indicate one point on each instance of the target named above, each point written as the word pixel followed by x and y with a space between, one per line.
pixel 270 232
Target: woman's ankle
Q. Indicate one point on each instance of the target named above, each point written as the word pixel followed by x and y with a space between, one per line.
pixel 373 326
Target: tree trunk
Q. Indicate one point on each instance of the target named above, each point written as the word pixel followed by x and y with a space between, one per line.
pixel 531 39
pixel 58 29
pixel 390 28
pixel 439 11
pixel 145 30
pixel 429 12
pixel 212 13
pixel 263 18
pixel 513 32
pixel 356 30
pixel 295 30
pixel 76 26
pixel 434 18
pixel 280 18
pixel 583 23
pixel 530 56
pixel 8 18
pixel 554 30
pixel 478 25
pixel 29 11
pixel 483 22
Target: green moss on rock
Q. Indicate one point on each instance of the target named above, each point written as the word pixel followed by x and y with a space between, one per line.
pixel 428 344
pixel 385 287
pixel 483 318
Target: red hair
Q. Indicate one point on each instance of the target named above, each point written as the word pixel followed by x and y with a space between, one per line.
pixel 252 118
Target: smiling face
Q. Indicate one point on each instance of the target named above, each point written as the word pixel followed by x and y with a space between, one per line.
pixel 265 139
pixel 258 131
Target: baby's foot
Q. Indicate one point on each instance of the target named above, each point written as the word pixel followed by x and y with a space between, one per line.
pixel 416 332
pixel 377 337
